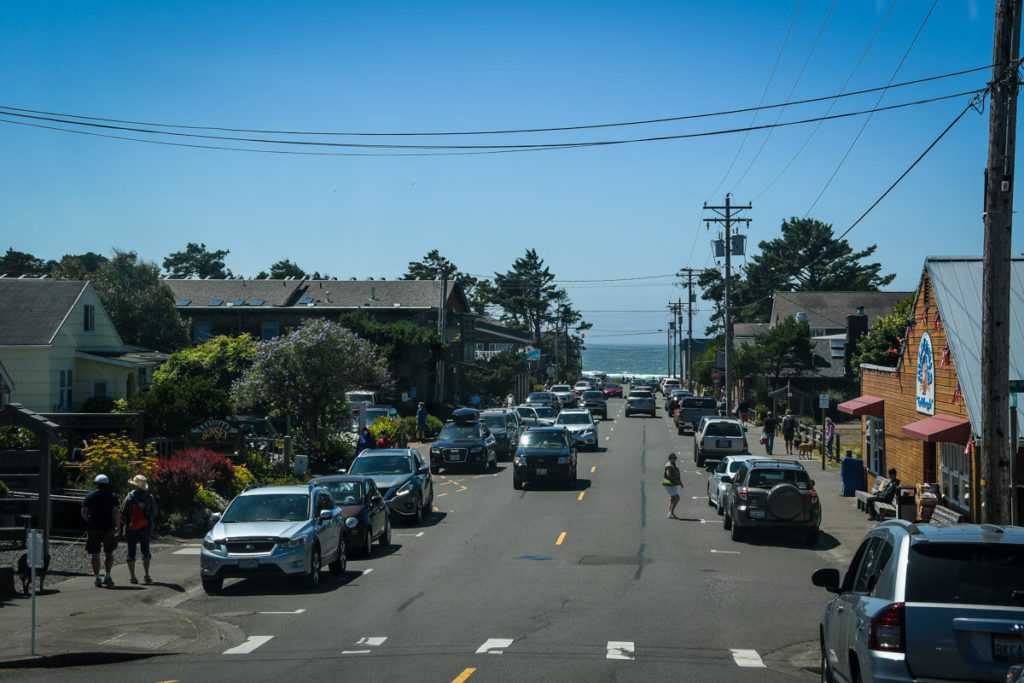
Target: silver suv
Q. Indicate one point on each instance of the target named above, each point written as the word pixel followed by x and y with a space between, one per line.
pixel 274 531
pixel 641 401
pixel 921 602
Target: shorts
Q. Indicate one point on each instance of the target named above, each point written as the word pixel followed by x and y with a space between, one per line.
pixel 140 538
pixel 100 537
pixel 673 490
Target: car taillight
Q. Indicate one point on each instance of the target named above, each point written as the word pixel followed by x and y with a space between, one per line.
pixel 742 492
pixel 702 442
pixel 814 496
pixel 888 629
pixel 745 446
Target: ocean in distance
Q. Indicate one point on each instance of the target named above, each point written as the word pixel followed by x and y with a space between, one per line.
pixel 625 359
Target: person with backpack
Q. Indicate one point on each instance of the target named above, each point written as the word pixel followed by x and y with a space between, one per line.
pixel 789 431
pixel 138 514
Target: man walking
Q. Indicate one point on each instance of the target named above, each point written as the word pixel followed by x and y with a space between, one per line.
pixel 421 422
pixel 138 513
pixel 769 426
pixel 789 430
pixel 101 513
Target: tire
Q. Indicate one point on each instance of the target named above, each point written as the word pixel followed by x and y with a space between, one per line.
pixel 435 470
pixel 680 430
pixel 212 586
pixel 312 578
pixel 341 561
pixel 826 671
pixel 726 521
pixel 627 413
pixel 367 549
pixel 517 484
pixel 385 537
pixel 418 517
pixel 700 460
pixel 604 415
pixel 736 532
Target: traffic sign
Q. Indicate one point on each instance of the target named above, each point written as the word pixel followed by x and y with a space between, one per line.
pixel 823 401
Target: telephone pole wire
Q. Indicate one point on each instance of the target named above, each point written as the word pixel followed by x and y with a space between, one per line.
pixel 996 450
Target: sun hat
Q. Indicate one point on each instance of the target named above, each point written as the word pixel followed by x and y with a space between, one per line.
pixel 101 479
pixel 139 482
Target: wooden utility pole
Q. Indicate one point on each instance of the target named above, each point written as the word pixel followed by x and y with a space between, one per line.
pixel 995 449
pixel 676 309
pixel 687 367
pixel 727 216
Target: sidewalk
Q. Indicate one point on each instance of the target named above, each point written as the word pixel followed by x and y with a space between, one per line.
pixel 77 623
pixel 840 517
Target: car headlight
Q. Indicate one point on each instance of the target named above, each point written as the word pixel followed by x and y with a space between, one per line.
pixel 351 522
pixel 210 544
pixel 563 460
pixel 405 490
pixel 477 449
pixel 294 543
pixel 519 460
pixel 435 451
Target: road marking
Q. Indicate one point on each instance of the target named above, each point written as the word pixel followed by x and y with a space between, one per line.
pixel 606 438
pixel 298 611
pixel 441 495
pixel 593 469
pixel 373 641
pixel 582 493
pixel 191 550
pixel 748 658
pixel 414 535
pixel 726 552
pixel 366 571
pixel 620 649
pixel 355 652
pixel 250 644
pixel 561 537
pixel 494 646
pixel 437 509
pixel 464 676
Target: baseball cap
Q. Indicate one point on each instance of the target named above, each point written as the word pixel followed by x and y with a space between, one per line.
pixel 101 479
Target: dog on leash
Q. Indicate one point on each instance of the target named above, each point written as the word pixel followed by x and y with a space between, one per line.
pixel 806 448
pixel 25 573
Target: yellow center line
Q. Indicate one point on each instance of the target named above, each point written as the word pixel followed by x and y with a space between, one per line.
pixel 441 495
pixel 593 469
pixel 561 537
pixel 464 676
pixel 582 493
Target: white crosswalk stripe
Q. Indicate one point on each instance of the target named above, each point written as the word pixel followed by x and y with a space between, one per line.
pixel 620 649
pixel 747 658
pixel 371 641
pixel 494 646
pixel 251 643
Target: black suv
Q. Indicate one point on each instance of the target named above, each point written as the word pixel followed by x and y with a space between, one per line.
pixel 544 454
pixel 771 493
pixel 464 440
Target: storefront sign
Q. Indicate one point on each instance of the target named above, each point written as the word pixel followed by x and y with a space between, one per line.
pixel 925 376
pixel 213 430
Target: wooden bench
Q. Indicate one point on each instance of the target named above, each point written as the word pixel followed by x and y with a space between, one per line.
pixel 862 496
pixel 943 516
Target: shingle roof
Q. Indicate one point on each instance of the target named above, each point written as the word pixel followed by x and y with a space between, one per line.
pixel 829 309
pixel 32 310
pixel 199 293
pixel 374 293
pixel 748 330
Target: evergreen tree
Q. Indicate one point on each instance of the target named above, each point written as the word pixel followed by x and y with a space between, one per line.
pixel 197 261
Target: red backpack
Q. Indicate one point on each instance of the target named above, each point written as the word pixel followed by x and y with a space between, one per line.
pixel 137 520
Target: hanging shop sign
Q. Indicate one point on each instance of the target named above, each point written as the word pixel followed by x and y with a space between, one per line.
pixel 925 376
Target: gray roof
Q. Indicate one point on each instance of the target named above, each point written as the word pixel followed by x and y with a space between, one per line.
pixel 957 283
pixel 748 330
pixel 32 310
pixel 829 309
pixel 199 293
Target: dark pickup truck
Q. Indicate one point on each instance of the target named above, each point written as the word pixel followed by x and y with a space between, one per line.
pixel 692 409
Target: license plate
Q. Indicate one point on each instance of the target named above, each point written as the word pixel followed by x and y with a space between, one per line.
pixel 541 470
pixel 757 514
pixel 1007 649
pixel 248 564
pixel 724 443
pixel 454 457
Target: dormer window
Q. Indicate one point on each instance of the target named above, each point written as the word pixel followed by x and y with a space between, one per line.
pixel 89 318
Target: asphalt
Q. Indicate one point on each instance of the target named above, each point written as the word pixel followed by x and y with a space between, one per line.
pixel 592 583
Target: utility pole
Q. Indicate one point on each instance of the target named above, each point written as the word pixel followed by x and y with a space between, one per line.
pixel 676 307
pixel 688 367
pixel 727 216
pixel 442 305
pixel 996 450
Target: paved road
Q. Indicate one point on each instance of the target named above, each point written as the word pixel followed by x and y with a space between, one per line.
pixel 589 584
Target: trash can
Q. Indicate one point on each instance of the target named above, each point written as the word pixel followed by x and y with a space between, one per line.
pixel 906 504
pixel 852 475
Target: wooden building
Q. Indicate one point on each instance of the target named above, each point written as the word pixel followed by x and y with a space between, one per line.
pixel 923 417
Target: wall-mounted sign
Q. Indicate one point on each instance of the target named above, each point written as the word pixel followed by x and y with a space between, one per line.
pixel 213 430
pixel 925 376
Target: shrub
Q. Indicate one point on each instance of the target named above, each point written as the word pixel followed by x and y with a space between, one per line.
pixel 257 463
pixel 16 438
pixel 434 425
pixel 178 477
pixel 98 404
pixel 393 428
pixel 58 474
pixel 341 448
pixel 209 500
pixel 240 478
pixel 119 458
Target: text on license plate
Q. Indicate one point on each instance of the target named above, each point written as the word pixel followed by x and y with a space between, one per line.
pixel 1007 649
pixel 541 470
pixel 757 514
pixel 724 443
pixel 454 457
pixel 248 564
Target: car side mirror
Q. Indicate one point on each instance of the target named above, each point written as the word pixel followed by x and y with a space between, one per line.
pixel 215 517
pixel 422 469
pixel 326 515
pixel 376 500
pixel 727 479
pixel 827 579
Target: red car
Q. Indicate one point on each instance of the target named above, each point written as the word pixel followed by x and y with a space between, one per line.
pixel 612 390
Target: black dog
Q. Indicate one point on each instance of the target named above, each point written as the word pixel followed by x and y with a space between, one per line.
pixel 26 573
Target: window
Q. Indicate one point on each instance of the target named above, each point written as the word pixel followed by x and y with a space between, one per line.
pixel 99 389
pixel 89 320
pixel 955 475
pixel 966 573
pixel 269 330
pixel 143 378
pixel 216 302
pixel 202 330
pixel 64 393
pixel 257 302
pixel 874 436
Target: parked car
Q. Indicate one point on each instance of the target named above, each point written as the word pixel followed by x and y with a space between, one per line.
pixel 402 478
pixel 641 401
pixel 691 409
pixel 612 390
pixel 372 414
pixel 583 385
pixel 254 426
pixel 673 397
pixel 274 531
pixel 594 401
pixel 580 424
pixel 543 398
pixel 463 442
pixel 771 493
pixel 544 454
pixel 727 467
pixel 668 384
pixel 719 437
pixel 367 517
pixel 504 425
pixel 920 602
pixel 565 395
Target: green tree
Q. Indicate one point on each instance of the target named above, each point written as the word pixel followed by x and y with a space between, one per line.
pixel 528 296
pixel 433 265
pixel 17 263
pixel 139 304
pixel 195 383
pixel 283 269
pixel 495 376
pixel 783 351
pixel 197 261
pixel 880 345
pixel 77 266
pixel 305 374
pixel 401 342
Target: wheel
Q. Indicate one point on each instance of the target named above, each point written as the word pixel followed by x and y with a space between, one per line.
pixel 367 543
pixel 737 532
pixel 700 460
pixel 341 561
pixel 312 577
pixel 627 413
pixel 418 517
pixel 726 521
pixel 435 470
pixel 604 415
pixel 494 461
pixel 385 537
pixel 826 671
pixel 517 484
pixel 811 536
pixel 680 430
pixel 212 586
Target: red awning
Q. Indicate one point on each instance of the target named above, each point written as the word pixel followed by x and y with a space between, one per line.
pixel 863 405
pixel 944 428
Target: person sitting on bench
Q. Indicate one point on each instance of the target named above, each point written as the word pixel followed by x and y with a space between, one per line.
pixel 885 495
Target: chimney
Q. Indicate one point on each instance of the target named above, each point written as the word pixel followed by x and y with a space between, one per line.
pixel 856 327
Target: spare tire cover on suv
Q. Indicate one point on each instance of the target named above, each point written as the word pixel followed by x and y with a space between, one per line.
pixel 785 501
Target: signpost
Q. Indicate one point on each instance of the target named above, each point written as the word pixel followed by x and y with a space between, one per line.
pixel 823 404
pixel 34 541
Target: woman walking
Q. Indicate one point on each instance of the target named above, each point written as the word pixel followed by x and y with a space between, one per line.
pixel 673 485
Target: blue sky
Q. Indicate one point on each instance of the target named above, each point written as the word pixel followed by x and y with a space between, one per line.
pixel 605 212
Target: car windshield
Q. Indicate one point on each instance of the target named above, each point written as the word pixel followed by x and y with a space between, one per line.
pixel 456 431
pixel 591 395
pixel 493 421
pixel 765 479
pixel 734 466
pixel 535 439
pixel 539 396
pixel 359 397
pixel 345 492
pixel 268 507
pixel 382 464
pixel 373 413
pixel 561 387
pixel 574 419
pixel 966 573
pixel 723 429
pixel 526 412
pixel 546 412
